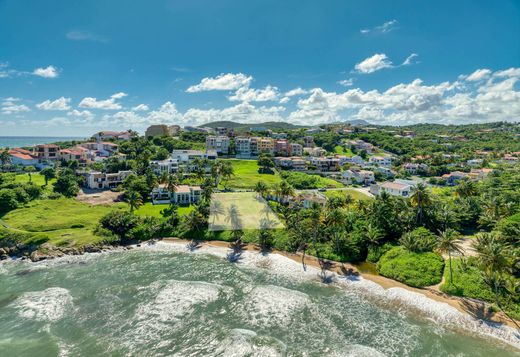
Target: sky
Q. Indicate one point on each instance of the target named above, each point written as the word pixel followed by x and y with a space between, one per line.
pixel 71 68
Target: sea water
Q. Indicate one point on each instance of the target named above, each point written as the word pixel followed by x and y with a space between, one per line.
pixel 163 300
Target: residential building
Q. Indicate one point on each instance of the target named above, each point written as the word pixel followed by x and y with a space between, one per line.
pixel 508 159
pixel 77 153
pixel 101 180
pixel 453 177
pixel 313 131
pixel 243 146
pixel 266 146
pixel 182 195
pixel 100 149
pixel 356 160
pixel 281 147
pixel 308 199
pixel 325 163
pixel 23 157
pixel 187 156
pixel 385 161
pixel 223 131
pixel 107 135
pixel 360 145
pixel 46 152
pixel 161 166
pixel 479 174
pixel 218 143
pixel 393 188
pixel 413 168
pixel 316 152
pixel 279 135
pixel 475 162
pixel 363 177
pixel 308 141
pixel 295 149
pixel 291 163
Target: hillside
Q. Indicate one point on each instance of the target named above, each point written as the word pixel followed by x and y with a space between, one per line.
pixel 268 125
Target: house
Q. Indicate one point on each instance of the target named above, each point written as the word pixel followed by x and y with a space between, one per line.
pixel 281 147
pixel 279 135
pixel 479 174
pixel 187 156
pixel 78 153
pixel 393 188
pixel 413 168
pixel 363 177
pixel 360 145
pixel 223 131
pixel 291 163
pixel 162 166
pixel 385 171
pixel 295 149
pixel 266 146
pixel 243 146
pixel 218 143
pixel 107 135
pixel 475 162
pixel 315 151
pixel 325 163
pixel 508 159
pixel 356 160
pixel 100 150
pixel 182 195
pixel 453 177
pixel 46 152
pixel 22 157
pixel 308 199
pixel 101 180
pixel 312 131
pixel 385 161
pixel 308 141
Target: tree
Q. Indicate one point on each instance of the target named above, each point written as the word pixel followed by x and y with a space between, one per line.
pixel 265 162
pixel 66 183
pixel 446 244
pixel 265 236
pixel 373 235
pixel 48 173
pixel 419 240
pixel 334 220
pixel 5 157
pixel 119 223
pixel 261 188
pixel 421 200
pixel 134 199
pixel 8 199
pixel 171 213
pixel 466 188
pixel 226 170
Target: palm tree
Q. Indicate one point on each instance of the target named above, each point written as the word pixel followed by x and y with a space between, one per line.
pixel 448 243
pixel 261 188
pixel 226 170
pixel 373 234
pixel 172 213
pixel 134 199
pixel 334 219
pixel 420 199
pixel 466 188
pixel 207 192
pixel 285 190
pixel 171 183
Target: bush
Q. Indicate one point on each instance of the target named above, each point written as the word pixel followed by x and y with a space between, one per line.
pixel 376 252
pixel 300 180
pixel 414 269
pixel 8 199
pixel 419 240
pixel 119 223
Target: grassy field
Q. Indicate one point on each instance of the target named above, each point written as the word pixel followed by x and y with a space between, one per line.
pixel 353 193
pixel 60 222
pixel 149 209
pixel 343 151
pixel 250 210
pixel 247 175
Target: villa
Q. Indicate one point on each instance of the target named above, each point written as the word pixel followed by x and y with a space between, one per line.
pixel 100 180
pixel 182 195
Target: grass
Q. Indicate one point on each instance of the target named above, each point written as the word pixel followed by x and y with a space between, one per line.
pixel 60 222
pixel 250 211
pixel 356 195
pixel 149 209
pixel 414 269
pixel 247 175
pixel 340 150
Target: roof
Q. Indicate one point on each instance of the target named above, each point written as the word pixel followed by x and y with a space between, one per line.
pixel 20 155
pixel 395 185
pixel 46 146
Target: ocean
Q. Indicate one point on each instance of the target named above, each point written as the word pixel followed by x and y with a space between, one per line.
pixel 22 141
pixel 163 300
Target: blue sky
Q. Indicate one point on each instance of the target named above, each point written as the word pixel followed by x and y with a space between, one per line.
pixel 72 67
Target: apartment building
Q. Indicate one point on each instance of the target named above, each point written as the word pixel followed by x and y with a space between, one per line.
pixel 385 161
pixel 295 149
pixel 218 143
pixel 46 152
pixel 101 180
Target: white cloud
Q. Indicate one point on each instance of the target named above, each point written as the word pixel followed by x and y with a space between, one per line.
pixel 85 114
pixel 12 108
pixel 384 28
pixel 107 104
pixel 511 72
pixel 478 75
pixel 141 107
pixel 296 91
pixel 243 94
pixel 410 59
pixel 346 82
pixel 58 104
pixel 228 81
pixel 374 63
pixel 49 72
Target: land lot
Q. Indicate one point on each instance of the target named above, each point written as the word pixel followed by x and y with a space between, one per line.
pixel 151 210
pixel 247 175
pixel 240 210
pixel 356 194
pixel 97 197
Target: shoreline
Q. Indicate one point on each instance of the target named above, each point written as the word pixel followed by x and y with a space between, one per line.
pixel 468 306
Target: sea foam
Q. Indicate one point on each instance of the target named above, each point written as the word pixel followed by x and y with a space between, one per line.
pixel 48 305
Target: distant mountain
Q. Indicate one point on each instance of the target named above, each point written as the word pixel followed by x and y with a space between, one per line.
pixel 267 125
pixel 355 122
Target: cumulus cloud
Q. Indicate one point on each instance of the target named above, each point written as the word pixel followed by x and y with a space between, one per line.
pixel 381 29
pixel 243 94
pixel 48 72
pixel 410 59
pixel 84 114
pixel 107 104
pixel 140 107
pixel 373 63
pixel 478 75
pixel 224 81
pixel 295 92
pixel 61 103
pixel 11 107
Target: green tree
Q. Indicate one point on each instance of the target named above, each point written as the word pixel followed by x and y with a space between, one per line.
pixel 48 174
pixel 261 188
pixel 119 223
pixel 134 199
pixel 419 240
pixel 66 183
pixel 421 200
pixel 448 243
pixel 5 157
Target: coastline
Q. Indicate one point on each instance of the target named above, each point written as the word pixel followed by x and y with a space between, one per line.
pixel 471 307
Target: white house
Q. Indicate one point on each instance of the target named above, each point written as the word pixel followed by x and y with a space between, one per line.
pixel 218 143
pixel 364 177
pixel 183 195
pixel 385 161
pixel 106 135
pixel 161 166
pixel 413 168
pixel 101 180
pixel 475 162
pixel 395 188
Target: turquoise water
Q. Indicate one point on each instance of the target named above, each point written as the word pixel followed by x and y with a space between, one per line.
pixel 164 301
pixel 23 141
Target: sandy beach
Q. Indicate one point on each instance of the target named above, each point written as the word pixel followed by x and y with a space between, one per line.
pixel 472 307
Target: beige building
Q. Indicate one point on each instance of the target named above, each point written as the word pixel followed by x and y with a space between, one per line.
pixel 46 152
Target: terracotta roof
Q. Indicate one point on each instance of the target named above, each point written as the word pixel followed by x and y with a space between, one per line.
pixel 46 146
pixel 20 155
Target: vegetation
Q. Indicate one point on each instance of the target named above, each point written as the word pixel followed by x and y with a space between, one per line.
pixel 300 180
pixel 247 175
pixel 414 269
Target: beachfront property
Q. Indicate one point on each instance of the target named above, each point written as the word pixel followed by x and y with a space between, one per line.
pixel 46 152
pixel 116 135
pixel 182 194
pixel 23 157
pixel 101 180
pixel 220 144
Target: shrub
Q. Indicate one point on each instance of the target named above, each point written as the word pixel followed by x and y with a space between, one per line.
pixel 119 223
pixel 8 199
pixel 375 252
pixel 414 269
pixel 419 240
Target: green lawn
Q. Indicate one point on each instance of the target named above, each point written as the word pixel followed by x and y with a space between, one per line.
pixel 149 209
pixel 247 175
pixel 356 195
pixel 343 151
pixel 37 179
pixel 61 222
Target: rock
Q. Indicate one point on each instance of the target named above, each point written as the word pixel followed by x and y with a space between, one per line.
pixel 4 257
pixel 37 256
pixel 2 251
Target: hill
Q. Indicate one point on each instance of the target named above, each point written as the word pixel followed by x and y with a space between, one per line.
pixel 267 125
